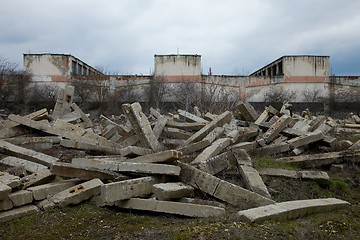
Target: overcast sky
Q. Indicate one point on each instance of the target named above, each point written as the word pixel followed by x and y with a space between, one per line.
pixel 233 36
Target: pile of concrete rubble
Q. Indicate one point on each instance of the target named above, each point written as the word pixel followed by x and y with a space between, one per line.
pixel 163 163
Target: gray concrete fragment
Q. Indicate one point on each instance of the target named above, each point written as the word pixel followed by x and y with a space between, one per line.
pixel 28 154
pixel 314 175
pixel 218 122
pixel 191 117
pixel 21 198
pixel 10 180
pixel 141 126
pixel 28 166
pixel 77 194
pixel 171 190
pixel 179 208
pixel 273 149
pixel 247 111
pixel 214 149
pixel 276 128
pixel 291 210
pixel 159 157
pixel 69 170
pixel 305 139
pixel 6 204
pixel 169 132
pixel 4 191
pixel 220 189
pixel 18 213
pixel 215 134
pixel 253 181
pixel 38 178
pixel 65 97
pixel 116 191
pixel 194 147
pixel 159 126
pixel 41 192
pixel 277 172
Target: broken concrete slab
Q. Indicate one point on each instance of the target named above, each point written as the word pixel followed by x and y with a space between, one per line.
pixel 75 194
pixel 247 146
pixel 318 176
pixel 18 213
pixel 38 178
pixel 194 147
pixel 130 150
pixel 171 190
pixel 116 191
pixel 28 166
pixel 214 134
pixel 5 190
pixel 221 189
pixel 253 181
pixel 20 198
pixel 191 117
pixel 86 120
pixel 218 122
pixel 27 154
pixel 159 126
pixel 6 204
pixel 305 140
pixel 35 143
pixel 214 149
pixel 10 180
pixel 64 99
pixel 141 126
pixel 273 149
pixel 291 209
pixel 217 163
pixel 127 167
pixel 43 191
pixel 276 128
pixel 193 126
pixel 247 111
pixel 321 159
pixel 278 172
pixel 175 133
pixel 159 157
pixel 178 208
pixel 69 170
pixel 201 202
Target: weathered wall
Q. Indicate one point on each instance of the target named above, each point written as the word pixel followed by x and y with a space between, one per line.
pixel 178 67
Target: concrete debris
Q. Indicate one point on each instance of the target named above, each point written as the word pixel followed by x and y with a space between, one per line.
pixel 158 163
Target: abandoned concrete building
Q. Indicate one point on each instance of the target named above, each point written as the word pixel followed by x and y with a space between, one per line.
pixel 301 74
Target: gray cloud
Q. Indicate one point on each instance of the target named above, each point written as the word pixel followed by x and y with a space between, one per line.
pixel 233 36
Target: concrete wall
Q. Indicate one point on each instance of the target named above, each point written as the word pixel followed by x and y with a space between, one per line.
pixel 178 67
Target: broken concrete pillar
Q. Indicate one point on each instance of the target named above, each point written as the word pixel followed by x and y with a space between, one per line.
pixel 193 126
pixel 253 181
pixel 69 170
pixel 43 191
pixel 64 99
pixel 247 111
pixel 319 176
pixel 191 117
pixel 130 167
pixel 159 126
pixel 6 204
pixel 18 212
pixel 179 208
pixel 273 149
pixel 215 134
pixel 10 180
pixel 276 128
pixel 214 149
pixel 28 154
pixel 76 194
pixel 175 133
pixel 28 166
pixel 291 209
pixel 217 122
pixel 141 126
pixel 38 178
pixel 277 172
pixel 116 191
pixel 221 189
pixel 171 190
pixel 86 120
pixel 305 140
pixel 20 198
pixel 5 190
pixel 159 157
pixel 194 147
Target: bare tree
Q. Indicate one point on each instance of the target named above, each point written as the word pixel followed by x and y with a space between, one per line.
pixel 43 95
pixel 313 95
pixel 278 95
pixel 186 95
pixel 158 92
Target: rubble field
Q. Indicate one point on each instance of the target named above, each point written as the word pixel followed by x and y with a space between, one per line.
pixel 222 172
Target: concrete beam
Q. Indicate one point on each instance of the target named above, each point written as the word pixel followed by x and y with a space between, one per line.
pixel 5 190
pixel 178 208
pixel 20 198
pixel 305 140
pixel 171 190
pixel 159 126
pixel 291 209
pixel 276 128
pixel 43 191
pixel 27 154
pixel 218 122
pixel 141 126
pixel 247 111
pixel 29 166
pixel 18 213
pixel 175 133
pixel 221 189
pixel 159 157
pixel 194 147
pixel 64 99
pixel 69 170
pixel 10 180
pixel 191 117
pixel 214 149
pixel 253 181
pixel 38 178
pixel 116 191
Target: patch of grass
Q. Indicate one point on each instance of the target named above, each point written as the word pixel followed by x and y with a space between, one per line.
pixel 270 162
